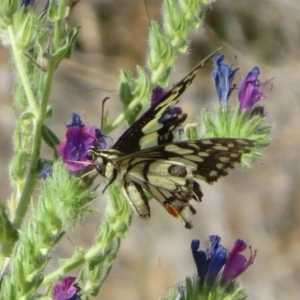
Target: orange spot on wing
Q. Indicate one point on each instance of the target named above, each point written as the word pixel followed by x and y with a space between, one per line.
pixel 172 210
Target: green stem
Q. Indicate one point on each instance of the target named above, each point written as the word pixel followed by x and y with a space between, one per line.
pixel 93 252
pixel 37 140
pixel 18 55
pixel 57 35
pixel 123 115
pixel 106 271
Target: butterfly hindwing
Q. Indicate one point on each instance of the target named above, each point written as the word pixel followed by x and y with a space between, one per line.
pixel 136 197
pixel 169 171
pixel 171 184
pixel 148 130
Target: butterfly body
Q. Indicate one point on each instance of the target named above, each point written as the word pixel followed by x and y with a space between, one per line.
pixel 146 157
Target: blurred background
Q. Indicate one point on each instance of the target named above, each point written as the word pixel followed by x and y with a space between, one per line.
pixel 259 205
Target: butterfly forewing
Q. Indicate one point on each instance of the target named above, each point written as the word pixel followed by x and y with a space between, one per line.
pixel 148 130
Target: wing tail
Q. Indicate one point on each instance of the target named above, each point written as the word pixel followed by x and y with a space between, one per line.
pixel 174 203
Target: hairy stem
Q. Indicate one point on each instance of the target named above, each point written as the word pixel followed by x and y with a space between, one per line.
pixel 18 56
pixel 31 179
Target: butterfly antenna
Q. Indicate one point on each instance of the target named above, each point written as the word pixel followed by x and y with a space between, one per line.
pixel 88 173
pixel 146 7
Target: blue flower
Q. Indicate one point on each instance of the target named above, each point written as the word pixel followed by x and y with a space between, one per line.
pixel 79 138
pixel 46 171
pixel 66 290
pixel 200 259
pixel 30 3
pixel 210 264
pixel 251 91
pixel 217 258
pixel 26 3
pixel 223 76
pixel 76 121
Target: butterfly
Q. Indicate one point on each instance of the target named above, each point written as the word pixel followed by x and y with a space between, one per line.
pixel 146 157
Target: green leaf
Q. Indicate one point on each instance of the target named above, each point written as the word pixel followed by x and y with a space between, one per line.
pixel 27 115
pixel 66 50
pixel 8 234
pixel 49 137
pixel 56 10
pixel 125 87
pixel 132 115
pixel 142 87
pixel 49 111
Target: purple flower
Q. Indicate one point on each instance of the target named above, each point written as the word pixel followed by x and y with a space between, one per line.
pixel 79 138
pixel 236 263
pixel 157 94
pixel 223 76
pixel 209 264
pixel 66 290
pixel 251 91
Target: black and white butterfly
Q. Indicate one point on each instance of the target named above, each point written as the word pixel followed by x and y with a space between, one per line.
pixel 146 157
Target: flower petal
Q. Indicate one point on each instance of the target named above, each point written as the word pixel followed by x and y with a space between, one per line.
pixel 66 290
pixel 223 76
pixel 199 258
pixel 251 90
pixel 217 258
pixel 236 263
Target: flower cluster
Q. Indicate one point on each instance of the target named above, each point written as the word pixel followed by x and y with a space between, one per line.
pixel 251 89
pixel 245 119
pixel 79 138
pixel 209 265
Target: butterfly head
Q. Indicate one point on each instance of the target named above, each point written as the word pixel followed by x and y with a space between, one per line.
pixel 95 157
pixel 91 154
pixel 103 160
